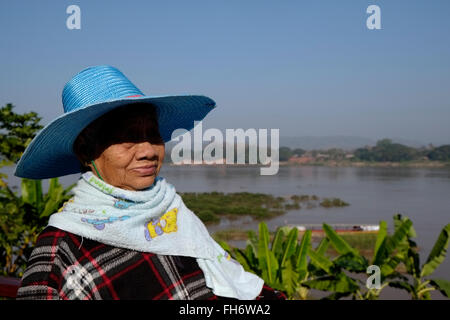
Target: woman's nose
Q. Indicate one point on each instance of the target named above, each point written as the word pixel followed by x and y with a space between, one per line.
pixel 145 150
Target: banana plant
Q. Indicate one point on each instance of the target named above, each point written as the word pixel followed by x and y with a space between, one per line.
pixel 334 275
pixel 281 262
pixel 44 204
pixel 301 265
pixel 22 217
pixel 389 252
pixel 339 275
pixel 417 284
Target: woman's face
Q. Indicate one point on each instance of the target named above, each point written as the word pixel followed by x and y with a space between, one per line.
pixel 132 160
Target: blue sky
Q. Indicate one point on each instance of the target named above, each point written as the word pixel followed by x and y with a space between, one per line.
pixel 305 67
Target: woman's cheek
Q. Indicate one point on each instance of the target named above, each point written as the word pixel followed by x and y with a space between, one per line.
pixel 162 155
pixel 122 158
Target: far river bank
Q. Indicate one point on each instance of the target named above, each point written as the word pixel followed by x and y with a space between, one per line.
pixel 334 163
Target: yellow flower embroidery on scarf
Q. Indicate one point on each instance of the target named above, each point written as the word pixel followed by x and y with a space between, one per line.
pixel 166 224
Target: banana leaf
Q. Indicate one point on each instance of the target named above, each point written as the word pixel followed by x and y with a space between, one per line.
pixel 267 261
pixel 277 244
pixel 301 263
pixel 320 261
pixel 323 246
pixel 244 261
pixel 53 198
pixel 380 250
pixel 412 262
pixel 398 219
pixel 289 278
pixel 438 253
pixel 400 234
pixel 442 285
pixel 339 244
pixel 339 283
pixel 253 241
pixel 289 246
pixel 402 285
pixel 225 246
pixel 351 262
pixel 32 193
pixel 251 257
pixel 388 267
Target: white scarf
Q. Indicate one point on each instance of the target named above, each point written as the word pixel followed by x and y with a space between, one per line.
pixel 153 220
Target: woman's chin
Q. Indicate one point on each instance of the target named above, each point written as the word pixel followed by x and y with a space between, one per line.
pixel 142 183
pixel 135 182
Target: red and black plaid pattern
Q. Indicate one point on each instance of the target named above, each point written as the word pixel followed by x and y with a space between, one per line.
pixel 65 266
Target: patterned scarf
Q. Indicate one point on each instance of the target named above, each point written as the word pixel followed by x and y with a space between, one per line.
pixel 153 220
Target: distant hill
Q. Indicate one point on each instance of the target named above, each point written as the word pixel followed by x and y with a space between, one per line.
pixel 342 142
pixel 327 142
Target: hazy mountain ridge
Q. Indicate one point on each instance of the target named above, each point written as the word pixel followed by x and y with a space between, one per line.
pixel 341 142
pixel 328 142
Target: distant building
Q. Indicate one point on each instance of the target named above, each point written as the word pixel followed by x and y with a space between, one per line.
pixel 300 160
pixel 323 155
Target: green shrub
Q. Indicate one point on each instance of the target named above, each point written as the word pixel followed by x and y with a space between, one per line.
pixel 296 267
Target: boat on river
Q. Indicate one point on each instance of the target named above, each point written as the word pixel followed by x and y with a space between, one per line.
pixel 340 227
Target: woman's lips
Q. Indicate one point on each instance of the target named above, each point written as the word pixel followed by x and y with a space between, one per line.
pixel 146 170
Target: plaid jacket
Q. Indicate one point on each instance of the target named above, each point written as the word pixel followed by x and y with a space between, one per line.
pixel 66 266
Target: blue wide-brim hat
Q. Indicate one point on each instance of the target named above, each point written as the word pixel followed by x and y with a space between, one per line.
pixel 87 96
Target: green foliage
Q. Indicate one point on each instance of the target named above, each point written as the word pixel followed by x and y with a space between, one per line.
pixel 266 257
pixel 441 153
pixel 437 254
pixel 22 216
pixel 333 202
pixel 390 252
pixel 16 132
pixel 417 285
pixel 339 283
pixel 385 150
pixel 339 244
pixel 209 206
pixel 284 153
pixel 280 260
pixel 442 285
pixel 296 267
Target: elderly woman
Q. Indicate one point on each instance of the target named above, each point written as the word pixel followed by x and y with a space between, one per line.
pixel 126 233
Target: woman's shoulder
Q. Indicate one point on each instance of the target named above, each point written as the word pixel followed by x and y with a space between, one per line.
pixel 55 239
pixel 51 239
pixel 51 236
pixel 52 246
pixel 42 277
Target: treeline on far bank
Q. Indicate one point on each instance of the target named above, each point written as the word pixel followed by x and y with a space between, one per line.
pixel 384 151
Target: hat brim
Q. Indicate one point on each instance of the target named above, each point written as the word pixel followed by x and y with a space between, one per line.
pixel 50 154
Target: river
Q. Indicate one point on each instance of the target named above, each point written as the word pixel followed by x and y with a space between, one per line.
pixel 374 194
